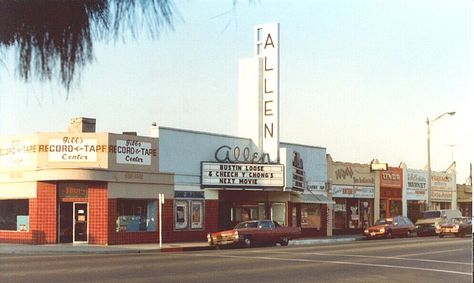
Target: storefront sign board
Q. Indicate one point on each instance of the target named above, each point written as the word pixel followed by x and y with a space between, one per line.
pixel 134 152
pixel 72 149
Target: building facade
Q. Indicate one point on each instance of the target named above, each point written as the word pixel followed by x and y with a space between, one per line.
pixel 222 180
pixel 391 183
pixel 81 186
pixel 415 194
pixel 353 188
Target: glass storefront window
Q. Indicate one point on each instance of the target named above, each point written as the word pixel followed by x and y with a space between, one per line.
pixel 189 214
pixel 136 215
pixel 395 208
pixel 14 215
pixel 340 214
pixel 278 212
pixel 311 216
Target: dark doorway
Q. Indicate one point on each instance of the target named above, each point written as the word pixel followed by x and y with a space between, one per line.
pixel 65 222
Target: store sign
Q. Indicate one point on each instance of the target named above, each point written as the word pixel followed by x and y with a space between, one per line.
pixel 73 190
pixel 356 174
pixel 442 181
pixel 242 175
pixel 364 192
pixel 71 149
pixel 416 185
pixel 341 191
pixel 298 172
pixel 226 153
pixel 392 178
pixel 317 187
pixel 134 152
pixel 267 47
pixel 16 153
pixel 441 196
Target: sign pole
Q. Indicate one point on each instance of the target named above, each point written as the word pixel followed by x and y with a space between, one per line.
pixel 161 201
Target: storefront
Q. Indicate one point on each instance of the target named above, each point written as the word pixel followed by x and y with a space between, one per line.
pixel 443 190
pixel 415 196
pixel 353 189
pixel 391 192
pixel 81 187
pixel 464 194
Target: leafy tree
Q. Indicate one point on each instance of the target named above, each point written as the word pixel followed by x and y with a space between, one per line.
pixel 55 38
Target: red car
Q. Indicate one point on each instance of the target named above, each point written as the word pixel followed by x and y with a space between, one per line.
pixel 250 233
pixel 458 226
pixel 390 227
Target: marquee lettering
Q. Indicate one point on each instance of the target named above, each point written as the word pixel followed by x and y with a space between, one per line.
pixel 226 154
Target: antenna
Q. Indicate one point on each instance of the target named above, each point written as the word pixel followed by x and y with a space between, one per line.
pixel 452 151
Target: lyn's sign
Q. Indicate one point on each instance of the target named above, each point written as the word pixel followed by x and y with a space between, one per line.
pixel 267 44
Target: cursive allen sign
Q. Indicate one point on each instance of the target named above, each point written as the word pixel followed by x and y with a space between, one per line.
pixel 226 154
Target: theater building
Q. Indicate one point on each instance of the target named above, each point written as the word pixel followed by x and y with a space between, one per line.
pixel 353 188
pixel 221 180
pixel 81 186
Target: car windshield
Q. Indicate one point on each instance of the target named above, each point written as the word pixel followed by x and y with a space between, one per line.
pixel 383 221
pixel 242 225
pixel 455 220
pixel 431 214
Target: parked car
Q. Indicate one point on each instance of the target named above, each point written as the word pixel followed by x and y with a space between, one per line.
pixel 431 221
pixel 390 227
pixel 256 232
pixel 458 226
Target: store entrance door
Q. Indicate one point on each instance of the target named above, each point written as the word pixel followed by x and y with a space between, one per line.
pixel 65 222
pixel 80 223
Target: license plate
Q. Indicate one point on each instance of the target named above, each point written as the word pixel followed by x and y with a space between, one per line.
pixel 372 234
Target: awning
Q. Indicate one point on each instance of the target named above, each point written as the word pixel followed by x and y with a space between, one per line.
pixel 316 198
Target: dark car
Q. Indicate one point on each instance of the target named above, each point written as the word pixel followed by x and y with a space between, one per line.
pixel 390 227
pixel 255 232
pixel 458 226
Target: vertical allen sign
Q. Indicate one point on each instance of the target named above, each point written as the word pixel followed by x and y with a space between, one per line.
pixel 267 47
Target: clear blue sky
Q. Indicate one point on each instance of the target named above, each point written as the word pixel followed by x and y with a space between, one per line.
pixel 357 77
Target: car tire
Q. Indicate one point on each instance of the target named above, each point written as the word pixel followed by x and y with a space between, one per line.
pixel 248 242
pixel 284 241
pixel 409 234
pixel 441 235
pixel 389 234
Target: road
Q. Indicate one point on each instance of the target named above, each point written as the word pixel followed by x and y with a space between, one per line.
pixel 418 260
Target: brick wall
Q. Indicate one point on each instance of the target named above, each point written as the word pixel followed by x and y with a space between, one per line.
pixel 211 224
pixel 43 219
pixel 98 208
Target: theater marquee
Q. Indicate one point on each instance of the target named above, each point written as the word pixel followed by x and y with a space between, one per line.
pixel 244 175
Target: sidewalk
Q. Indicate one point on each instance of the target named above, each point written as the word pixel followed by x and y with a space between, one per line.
pixel 146 248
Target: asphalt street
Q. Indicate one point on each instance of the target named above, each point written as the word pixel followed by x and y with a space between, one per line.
pixel 429 259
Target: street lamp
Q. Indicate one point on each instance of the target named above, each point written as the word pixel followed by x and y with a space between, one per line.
pixel 428 124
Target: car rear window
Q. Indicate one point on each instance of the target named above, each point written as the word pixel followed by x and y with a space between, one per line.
pixel 431 214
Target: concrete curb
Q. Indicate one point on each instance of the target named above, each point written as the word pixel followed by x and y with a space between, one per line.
pixel 14 249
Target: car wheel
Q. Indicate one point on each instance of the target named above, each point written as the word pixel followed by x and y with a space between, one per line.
pixel 408 234
pixel 389 234
pixel 248 242
pixel 441 235
pixel 284 241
